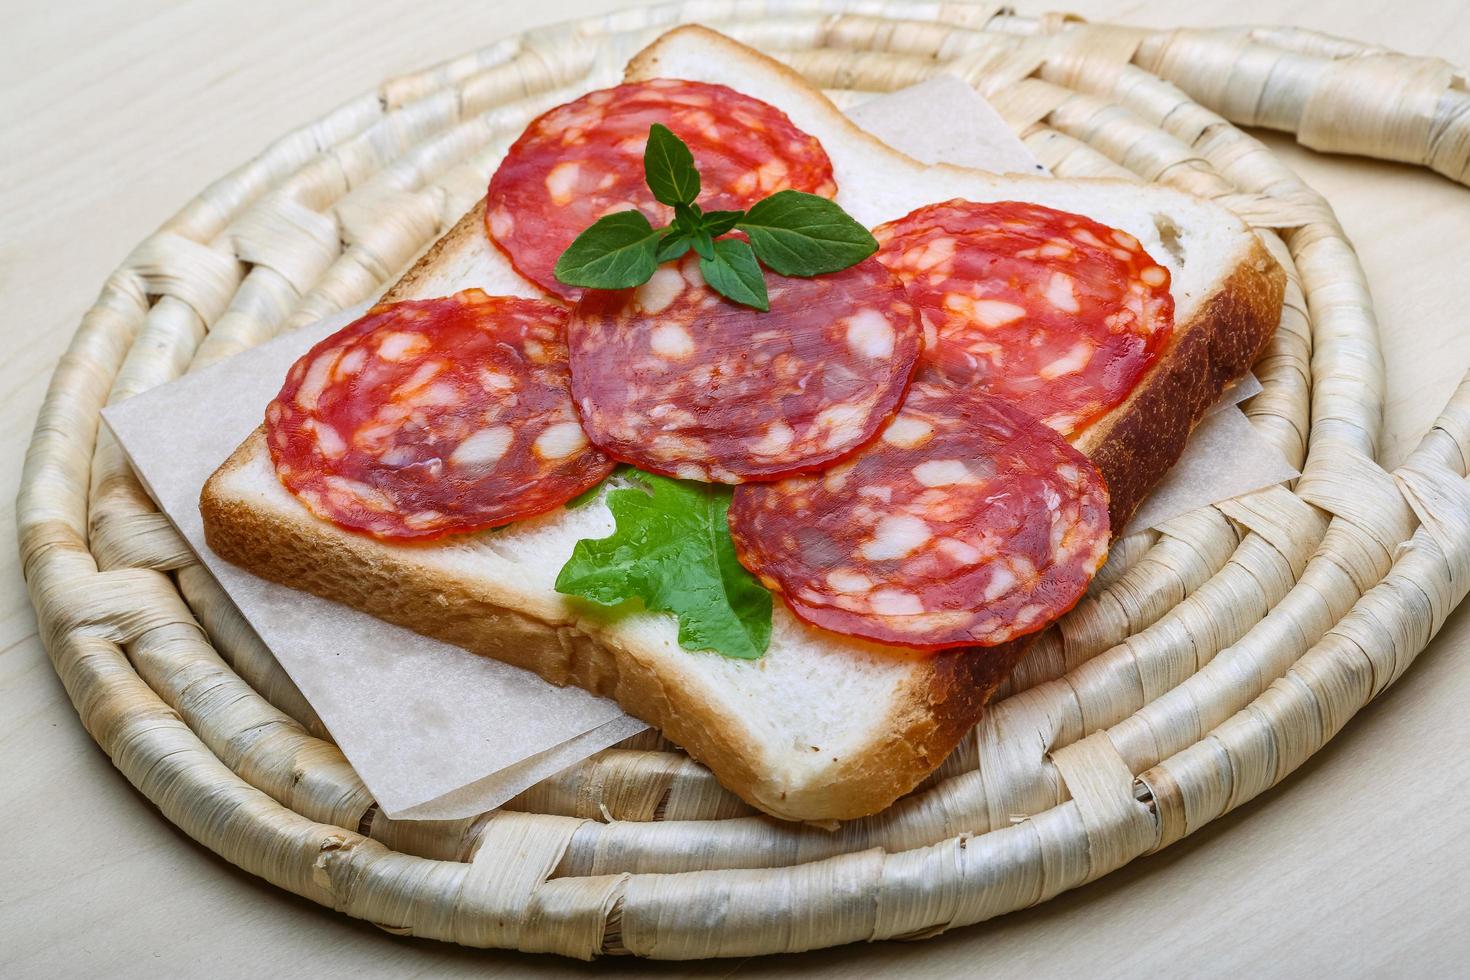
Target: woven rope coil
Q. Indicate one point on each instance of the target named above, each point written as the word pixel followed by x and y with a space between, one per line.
pixel 1210 659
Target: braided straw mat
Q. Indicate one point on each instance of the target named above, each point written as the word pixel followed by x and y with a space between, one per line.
pixel 1210 659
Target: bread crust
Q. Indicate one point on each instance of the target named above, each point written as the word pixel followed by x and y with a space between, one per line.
pixel 1135 444
pixel 941 697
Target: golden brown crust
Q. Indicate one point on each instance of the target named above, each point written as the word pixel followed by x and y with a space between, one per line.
pixel 941 698
pixel 1136 443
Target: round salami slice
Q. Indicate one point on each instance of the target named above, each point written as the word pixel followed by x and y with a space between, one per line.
pixel 676 379
pixel 1052 311
pixel 583 160
pixel 434 416
pixel 965 523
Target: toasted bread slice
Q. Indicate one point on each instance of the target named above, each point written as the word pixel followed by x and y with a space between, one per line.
pixel 822 727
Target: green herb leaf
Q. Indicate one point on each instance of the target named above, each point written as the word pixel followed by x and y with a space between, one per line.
pixel 672 550
pixel 674 244
pixel 587 496
pixel 593 492
pixel 799 234
pixel 687 217
pixel 733 272
pixel 703 244
pixel 617 251
pixel 719 222
pixel 668 166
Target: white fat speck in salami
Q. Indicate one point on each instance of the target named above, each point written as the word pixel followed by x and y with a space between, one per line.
pixel 584 160
pixel 987 528
pixel 711 390
pixel 1054 312
pixel 434 416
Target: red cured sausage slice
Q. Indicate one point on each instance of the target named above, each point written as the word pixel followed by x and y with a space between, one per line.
pixel 676 379
pixel 434 416
pixel 966 523
pixel 1051 311
pixel 583 160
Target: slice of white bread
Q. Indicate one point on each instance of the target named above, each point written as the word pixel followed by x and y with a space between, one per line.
pixel 822 727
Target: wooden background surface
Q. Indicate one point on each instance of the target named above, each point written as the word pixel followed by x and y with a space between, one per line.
pixel 112 115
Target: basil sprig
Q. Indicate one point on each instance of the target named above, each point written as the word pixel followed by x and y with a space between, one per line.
pixel 793 233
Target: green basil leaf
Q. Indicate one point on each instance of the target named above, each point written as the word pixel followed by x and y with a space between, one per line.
pixel 668 166
pixel 799 234
pixel 734 273
pixel 688 216
pixel 671 246
pixel 617 251
pixel 719 222
pixel 703 244
pixel 671 549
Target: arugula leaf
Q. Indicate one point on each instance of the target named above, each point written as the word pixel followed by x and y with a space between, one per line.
pixel 586 496
pixel 799 234
pixel 668 167
pixel 733 272
pixel 617 251
pixel 593 492
pixel 672 550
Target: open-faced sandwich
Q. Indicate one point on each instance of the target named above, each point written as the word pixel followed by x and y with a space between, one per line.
pixel 720 407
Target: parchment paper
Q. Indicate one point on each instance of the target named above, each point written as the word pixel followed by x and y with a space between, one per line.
pixel 436 732
pixel 944 120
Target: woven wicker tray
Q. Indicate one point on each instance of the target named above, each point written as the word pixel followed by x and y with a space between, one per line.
pixel 1210 659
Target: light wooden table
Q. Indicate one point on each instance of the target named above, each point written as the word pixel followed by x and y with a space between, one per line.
pixel 112 115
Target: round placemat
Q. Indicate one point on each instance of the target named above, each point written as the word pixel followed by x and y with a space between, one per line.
pixel 1211 657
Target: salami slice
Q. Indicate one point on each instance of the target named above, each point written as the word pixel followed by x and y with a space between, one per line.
pixel 434 416
pixel 583 160
pixel 966 522
pixel 676 379
pixel 1054 312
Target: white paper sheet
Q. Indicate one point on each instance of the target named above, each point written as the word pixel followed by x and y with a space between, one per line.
pixel 943 120
pixel 437 732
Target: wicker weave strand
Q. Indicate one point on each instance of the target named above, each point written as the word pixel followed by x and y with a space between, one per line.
pixel 1210 658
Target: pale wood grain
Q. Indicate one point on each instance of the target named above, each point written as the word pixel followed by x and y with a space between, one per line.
pixel 113 115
